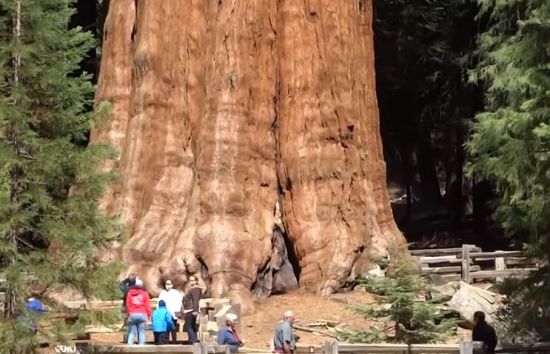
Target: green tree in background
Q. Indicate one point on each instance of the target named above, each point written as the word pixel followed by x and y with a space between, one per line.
pixel 422 48
pixel 51 229
pixel 510 142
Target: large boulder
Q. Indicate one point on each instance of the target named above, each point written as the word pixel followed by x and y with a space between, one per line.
pixel 469 299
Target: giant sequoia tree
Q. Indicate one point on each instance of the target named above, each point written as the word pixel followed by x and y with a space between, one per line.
pixel 232 117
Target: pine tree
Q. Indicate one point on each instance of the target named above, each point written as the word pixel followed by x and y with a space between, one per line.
pixel 51 229
pixel 510 142
pixel 402 304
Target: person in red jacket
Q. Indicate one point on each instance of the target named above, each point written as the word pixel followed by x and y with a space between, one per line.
pixel 138 306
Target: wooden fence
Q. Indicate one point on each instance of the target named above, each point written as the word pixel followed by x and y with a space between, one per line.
pixel 153 349
pixel 460 348
pixel 469 263
pixel 331 347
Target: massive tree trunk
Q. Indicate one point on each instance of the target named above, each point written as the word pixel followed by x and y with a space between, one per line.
pixel 227 112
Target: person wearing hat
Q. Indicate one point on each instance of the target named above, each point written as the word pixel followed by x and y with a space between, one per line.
pixel 138 307
pixel 173 299
pixel 161 323
pixel 228 336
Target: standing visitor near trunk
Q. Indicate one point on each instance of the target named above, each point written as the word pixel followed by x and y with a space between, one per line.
pixel 229 336
pixel 173 299
pixel 284 340
pixel 138 307
pixel 162 323
pixel 191 308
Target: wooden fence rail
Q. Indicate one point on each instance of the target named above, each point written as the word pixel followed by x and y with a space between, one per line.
pixel 330 347
pixel 153 349
pixel 461 348
pixel 469 263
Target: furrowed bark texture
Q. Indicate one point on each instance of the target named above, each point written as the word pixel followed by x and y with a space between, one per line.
pixel 232 117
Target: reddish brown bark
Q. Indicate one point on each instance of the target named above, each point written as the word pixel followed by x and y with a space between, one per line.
pixel 224 109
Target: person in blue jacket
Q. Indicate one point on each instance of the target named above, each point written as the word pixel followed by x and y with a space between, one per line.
pixel 228 336
pixel 34 308
pixel 162 323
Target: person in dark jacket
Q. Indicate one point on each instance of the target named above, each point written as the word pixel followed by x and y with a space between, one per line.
pixel 483 332
pixel 125 286
pixel 162 323
pixel 228 336
pixel 191 309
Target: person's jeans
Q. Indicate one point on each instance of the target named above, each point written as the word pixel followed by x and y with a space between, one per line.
pixel 137 321
pixel 191 327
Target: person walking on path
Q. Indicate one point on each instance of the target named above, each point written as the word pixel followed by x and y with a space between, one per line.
pixel 173 299
pixel 138 307
pixel 284 340
pixel 191 309
pixel 228 336
pixel 483 332
pixel 162 323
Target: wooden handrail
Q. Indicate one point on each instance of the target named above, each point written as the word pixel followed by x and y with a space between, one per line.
pixel 451 263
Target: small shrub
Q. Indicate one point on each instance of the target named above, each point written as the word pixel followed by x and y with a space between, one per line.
pixel 402 304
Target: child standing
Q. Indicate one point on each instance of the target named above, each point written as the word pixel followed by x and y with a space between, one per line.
pixel 162 323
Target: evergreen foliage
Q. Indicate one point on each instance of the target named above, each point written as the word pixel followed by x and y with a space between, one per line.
pixel 402 303
pixel 510 143
pixel 51 229
pixel 422 48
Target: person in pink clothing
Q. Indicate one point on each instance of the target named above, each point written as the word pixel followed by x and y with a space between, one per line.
pixel 138 306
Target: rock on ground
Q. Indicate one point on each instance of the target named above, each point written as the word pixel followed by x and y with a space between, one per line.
pixel 468 299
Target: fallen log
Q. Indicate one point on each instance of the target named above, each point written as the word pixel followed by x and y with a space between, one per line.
pixel 311 330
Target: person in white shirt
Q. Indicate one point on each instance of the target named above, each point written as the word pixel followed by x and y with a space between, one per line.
pixel 173 299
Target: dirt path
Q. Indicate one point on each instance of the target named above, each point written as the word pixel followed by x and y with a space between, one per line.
pixel 257 329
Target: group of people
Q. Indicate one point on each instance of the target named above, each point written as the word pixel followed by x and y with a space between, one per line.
pixel 284 340
pixel 172 306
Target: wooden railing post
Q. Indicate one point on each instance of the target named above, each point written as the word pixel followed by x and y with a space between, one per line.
pixel 466 347
pixel 331 347
pixel 499 265
pixel 466 263
pixel 197 348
